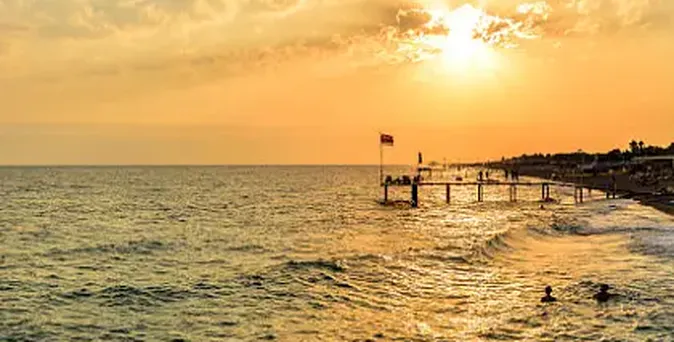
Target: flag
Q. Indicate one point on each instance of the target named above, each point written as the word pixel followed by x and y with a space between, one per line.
pixel 421 158
pixel 386 139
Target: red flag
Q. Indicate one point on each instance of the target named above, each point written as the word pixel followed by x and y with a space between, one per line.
pixel 386 139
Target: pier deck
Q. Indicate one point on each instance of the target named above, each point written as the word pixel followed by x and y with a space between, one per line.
pixel 493 183
pixel 512 189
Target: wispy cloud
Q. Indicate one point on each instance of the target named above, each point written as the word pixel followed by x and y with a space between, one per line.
pixel 52 39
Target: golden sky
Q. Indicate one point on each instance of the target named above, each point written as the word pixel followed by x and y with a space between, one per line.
pixel 314 81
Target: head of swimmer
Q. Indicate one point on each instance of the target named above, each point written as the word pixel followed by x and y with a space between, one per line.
pixel 548 290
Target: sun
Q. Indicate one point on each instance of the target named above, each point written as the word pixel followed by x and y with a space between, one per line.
pixel 465 41
pixel 462 44
pixel 468 37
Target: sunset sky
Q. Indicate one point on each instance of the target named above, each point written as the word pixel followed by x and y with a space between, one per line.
pixel 314 81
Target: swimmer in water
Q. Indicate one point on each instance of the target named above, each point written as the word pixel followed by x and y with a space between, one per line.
pixel 603 296
pixel 548 298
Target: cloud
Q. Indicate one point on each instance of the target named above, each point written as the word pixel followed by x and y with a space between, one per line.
pixel 101 36
pixel 100 18
pixel 9 28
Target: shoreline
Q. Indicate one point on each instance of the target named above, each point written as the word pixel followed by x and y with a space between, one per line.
pixel 648 195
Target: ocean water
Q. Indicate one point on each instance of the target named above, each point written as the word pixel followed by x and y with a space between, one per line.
pixel 307 254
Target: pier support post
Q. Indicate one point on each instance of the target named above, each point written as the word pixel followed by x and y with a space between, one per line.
pixel 415 195
pixel 513 193
pixel 480 195
pixel 543 192
pixel 448 193
pixel 581 194
pixel 386 193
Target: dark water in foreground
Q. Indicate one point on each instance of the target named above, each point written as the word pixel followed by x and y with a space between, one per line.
pixel 305 253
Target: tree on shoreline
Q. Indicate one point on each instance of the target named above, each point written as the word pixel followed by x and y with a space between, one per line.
pixel 634 147
pixel 615 156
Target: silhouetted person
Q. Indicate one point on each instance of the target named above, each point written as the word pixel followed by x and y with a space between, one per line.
pixel 548 298
pixel 479 176
pixel 603 296
pixel 506 174
pixel 613 184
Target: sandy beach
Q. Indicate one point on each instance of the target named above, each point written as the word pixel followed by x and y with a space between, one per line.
pixel 651 195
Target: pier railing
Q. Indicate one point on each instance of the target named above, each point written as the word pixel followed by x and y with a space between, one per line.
pixel 578 193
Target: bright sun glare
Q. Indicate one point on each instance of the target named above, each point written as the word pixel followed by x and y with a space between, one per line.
pixel 461 46
pixel 467 37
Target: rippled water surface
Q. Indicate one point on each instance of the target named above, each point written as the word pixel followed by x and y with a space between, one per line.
pixel 306 253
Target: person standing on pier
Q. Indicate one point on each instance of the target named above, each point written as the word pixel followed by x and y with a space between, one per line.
pixel 613 188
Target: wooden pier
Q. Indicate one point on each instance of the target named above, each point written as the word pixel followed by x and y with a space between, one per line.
pixel 578 193
pixel 417 181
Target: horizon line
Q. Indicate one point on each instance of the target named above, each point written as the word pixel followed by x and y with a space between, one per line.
pixel 194 165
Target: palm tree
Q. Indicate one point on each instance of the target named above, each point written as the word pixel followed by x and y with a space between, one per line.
pixel 634 146
pixel 641 147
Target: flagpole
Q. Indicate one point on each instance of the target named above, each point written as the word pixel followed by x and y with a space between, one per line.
pixel 381 161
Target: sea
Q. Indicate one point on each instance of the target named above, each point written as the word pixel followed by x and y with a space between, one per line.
pixel 307 253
